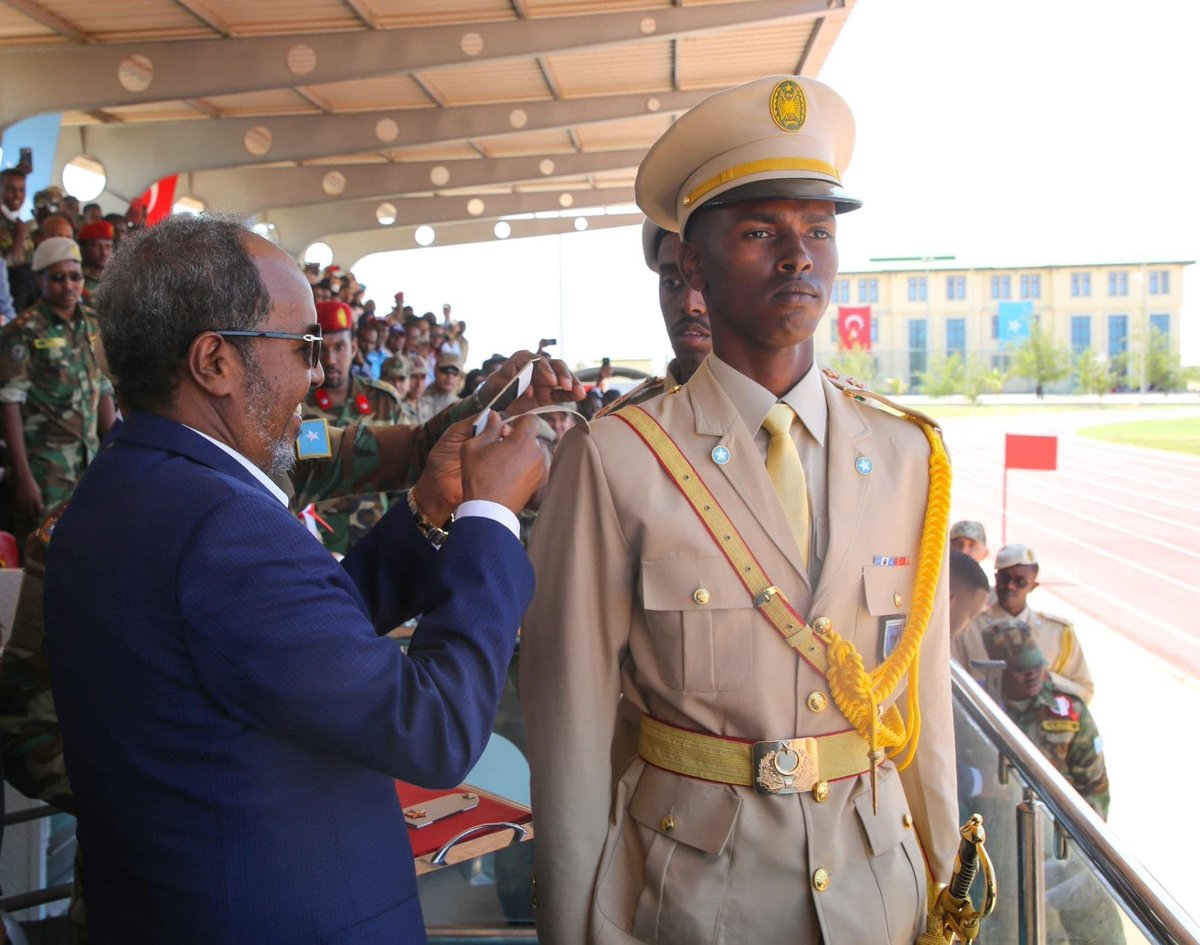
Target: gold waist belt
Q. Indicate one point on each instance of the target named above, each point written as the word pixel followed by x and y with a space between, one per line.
pixel 779 766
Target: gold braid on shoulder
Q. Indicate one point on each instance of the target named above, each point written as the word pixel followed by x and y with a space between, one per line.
pixel 857 693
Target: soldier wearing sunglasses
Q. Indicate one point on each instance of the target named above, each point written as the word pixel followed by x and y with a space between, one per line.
pixel 1016 577
pixel 55 404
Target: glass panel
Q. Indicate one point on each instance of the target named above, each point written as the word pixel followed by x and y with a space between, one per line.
pixel 980 792
pixel 491 891
pixel 1080 909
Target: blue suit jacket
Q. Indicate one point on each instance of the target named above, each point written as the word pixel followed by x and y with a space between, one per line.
pixel 233 723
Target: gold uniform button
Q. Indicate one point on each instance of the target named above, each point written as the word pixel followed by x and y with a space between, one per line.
pixel 822 625
pixel 817 701
pixel 700 596
pixel 907 818
pixel 668 823
pixel 821 879
pixel 820 792
pixel 898 599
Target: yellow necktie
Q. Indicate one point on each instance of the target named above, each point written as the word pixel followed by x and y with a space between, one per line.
pixel 787 473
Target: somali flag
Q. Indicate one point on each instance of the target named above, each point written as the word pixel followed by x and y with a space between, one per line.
pixel 1014 322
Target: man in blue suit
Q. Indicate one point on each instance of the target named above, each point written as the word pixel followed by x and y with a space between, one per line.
pixel 232 721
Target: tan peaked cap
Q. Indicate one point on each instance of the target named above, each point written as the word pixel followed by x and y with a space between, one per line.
pixel 56 249
pixel 790 136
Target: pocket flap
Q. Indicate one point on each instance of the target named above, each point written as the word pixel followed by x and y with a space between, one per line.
pixel 886 829
pixel 675 584
pixel 889 590
pixel 684 809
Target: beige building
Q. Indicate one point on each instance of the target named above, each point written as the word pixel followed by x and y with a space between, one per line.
pixel 919 312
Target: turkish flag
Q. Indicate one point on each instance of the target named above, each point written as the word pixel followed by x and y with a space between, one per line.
pixel 158 200
pixel 1030 452
pixel 854 328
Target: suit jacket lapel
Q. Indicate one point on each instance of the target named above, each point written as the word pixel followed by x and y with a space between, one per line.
pixel 719 424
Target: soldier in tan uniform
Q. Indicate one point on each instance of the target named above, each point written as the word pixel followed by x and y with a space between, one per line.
pixel 684 316
pixel 1016 577
pixel 696 776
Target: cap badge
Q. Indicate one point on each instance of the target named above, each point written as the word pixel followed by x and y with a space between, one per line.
pixel 788 106
pixel 720 455
pixel 864 466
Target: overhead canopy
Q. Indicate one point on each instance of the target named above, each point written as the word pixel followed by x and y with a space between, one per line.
pixel 356 121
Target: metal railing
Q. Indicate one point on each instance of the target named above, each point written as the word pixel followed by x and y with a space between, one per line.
pixel 1148 905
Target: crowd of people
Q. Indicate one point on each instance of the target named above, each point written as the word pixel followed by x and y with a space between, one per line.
pixel 739 578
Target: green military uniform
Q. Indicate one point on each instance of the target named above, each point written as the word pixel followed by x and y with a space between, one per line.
pixel 91 282
pixel 1063 729
pixel 29 733
pixel 48 365
pixel 1058 723
pixel 373 402
pixel 8 240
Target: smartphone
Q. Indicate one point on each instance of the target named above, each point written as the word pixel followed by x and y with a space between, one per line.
pixel 605 362
pixel 547 342
pixel 26 160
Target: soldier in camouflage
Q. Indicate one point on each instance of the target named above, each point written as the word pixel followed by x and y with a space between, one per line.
pixel 96 246
pixel 55 404
pixel 16 237
pixel 346 398
pixel 1058 723
pixel 397 371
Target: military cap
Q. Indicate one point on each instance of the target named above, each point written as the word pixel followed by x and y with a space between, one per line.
pixel 445 359
pixel 779 136
pixel 1011 555
pixel 100 230
pixel 970 530
pixel 652 235
pixel 1012 641
pixel 54 250
pixel 334 316
pixel 395 368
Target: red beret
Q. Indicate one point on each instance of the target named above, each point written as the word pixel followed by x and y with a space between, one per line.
pixel 334 316
pixel 100 230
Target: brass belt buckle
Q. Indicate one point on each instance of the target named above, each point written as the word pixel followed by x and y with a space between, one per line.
pixel 785 766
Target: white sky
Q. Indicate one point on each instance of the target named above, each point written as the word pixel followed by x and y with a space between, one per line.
pixel 1022 132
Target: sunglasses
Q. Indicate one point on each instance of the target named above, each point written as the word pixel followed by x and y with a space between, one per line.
pixel 1006 579
pixel 58 278
pixel 449 370
pixel 313 338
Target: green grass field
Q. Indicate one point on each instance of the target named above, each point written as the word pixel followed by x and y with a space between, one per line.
pixel 1181 435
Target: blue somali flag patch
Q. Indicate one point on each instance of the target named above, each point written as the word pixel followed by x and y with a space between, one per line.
pixel 313 441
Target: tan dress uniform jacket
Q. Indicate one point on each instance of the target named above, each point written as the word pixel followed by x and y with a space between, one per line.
pixel 628 852
pixel 1054 636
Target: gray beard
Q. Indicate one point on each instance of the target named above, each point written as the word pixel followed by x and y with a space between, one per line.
pixel 282 449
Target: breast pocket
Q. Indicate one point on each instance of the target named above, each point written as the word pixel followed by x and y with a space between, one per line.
pixel 887 599
pixel 699 617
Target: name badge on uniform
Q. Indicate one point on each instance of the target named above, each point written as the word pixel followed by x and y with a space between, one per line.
pixel 892 628
pixel 1060 725
pixel 44 343
pixel 313 441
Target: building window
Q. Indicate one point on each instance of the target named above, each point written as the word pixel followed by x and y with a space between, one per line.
pixel 918 343
pixel 995 328
pixel 868 290
pixel 1118 283
pixel 1161 324
pixel 1118 342
pixel 841 291
pixel 874 330
pixel 1081 332
pixel 1002 287
pixel 956 288
pixel 1160 282
pixel 1081 285
pixel 918 289
pixel 956 337
pixel 1031 286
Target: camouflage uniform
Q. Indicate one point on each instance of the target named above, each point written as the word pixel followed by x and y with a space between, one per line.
pixel 29 734
pixel 8 239
pixel 91 282
pixel 1058 723
pixel 1063 729
pixel 352 516
pixel 49 367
